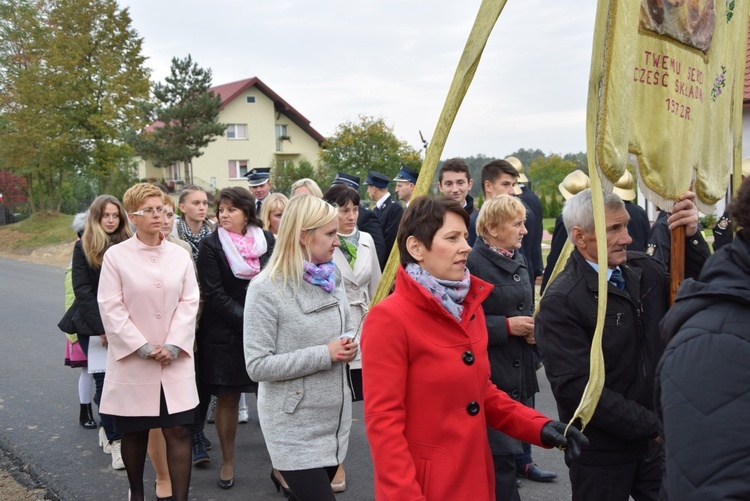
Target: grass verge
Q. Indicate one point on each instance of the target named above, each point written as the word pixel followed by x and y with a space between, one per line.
pixel 38 230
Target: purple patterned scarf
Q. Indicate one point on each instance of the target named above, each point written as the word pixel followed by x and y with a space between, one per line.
pixel 323 275
pixel 448 293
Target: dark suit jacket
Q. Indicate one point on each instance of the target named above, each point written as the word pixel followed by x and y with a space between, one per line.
pixel 368 222
pixel 532 242
pixel 390 217
pixel 638 227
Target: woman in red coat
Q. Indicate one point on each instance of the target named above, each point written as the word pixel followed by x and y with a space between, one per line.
pixel 427 375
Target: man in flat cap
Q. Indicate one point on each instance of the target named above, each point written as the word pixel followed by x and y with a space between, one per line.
pixel 388 210
pixel 259 181
pixel 405 181
pixel 367 221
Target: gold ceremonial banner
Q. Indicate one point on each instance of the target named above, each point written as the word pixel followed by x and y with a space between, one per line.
pixel 669 76
pixel 665 94
pixel 488 13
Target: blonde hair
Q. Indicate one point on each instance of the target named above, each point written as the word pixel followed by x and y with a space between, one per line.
pixel 95 240
pixel 497 211
pixel 274 201
pixel 309 184
pixel 137 194
pixel 303 213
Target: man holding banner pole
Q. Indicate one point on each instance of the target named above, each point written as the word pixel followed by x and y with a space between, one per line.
pixel 625 456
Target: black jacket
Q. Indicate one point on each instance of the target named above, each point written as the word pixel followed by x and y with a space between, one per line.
pixel 703 381
pixel 638 226
pixel 87 320
pixel 221 354
pixel 512 364
pixel 368 222
pixel 532 241
pixel 659 246
pixel 624 419
pixel 390 217
pixel 559 237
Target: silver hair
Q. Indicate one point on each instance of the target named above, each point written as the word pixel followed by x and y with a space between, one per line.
pixel 578 210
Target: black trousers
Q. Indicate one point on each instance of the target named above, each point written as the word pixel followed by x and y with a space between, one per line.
pixel 311 485
pixel 506 487
pixel 640 478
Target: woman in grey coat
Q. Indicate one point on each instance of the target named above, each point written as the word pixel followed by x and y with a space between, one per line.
pixel 508 312
pixel 298 337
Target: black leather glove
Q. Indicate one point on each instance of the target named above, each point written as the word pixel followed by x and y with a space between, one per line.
pixel 552 435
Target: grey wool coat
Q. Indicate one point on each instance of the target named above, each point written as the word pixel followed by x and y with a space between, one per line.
pixel 304 401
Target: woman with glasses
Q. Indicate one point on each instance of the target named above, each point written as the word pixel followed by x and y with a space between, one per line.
pixel 228 260
pixel 148 297
pixel 357 261
pixel 298 338
pixel 106 225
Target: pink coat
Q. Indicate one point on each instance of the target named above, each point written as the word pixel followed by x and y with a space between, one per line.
pixel 148 295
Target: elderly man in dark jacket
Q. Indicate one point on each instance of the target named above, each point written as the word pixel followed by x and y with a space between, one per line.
pixel 703 377
pixel 624 457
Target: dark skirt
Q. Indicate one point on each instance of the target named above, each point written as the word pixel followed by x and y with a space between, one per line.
pixel 223 389
pixel 130 424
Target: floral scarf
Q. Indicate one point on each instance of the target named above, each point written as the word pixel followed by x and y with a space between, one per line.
pixel 243 251
pixel 323 275
pixel 184 232
pixel 349 245
pixel 498 250
pixel 448 293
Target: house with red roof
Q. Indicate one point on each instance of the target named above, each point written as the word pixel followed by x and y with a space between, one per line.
pixel 263 130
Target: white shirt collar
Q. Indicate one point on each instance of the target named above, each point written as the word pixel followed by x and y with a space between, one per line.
pixel 381 202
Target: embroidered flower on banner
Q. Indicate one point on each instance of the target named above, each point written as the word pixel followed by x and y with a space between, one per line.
pixel 719 84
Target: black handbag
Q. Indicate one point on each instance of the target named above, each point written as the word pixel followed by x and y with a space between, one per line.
pixel 66 324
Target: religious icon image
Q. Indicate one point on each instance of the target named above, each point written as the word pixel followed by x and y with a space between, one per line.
pixel 690 22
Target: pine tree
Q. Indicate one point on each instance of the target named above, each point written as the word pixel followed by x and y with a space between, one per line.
pixel 184 114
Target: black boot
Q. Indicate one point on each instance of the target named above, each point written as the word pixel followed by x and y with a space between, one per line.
pixel 87 417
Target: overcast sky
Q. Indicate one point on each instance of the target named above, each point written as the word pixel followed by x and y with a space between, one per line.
pixel 336 59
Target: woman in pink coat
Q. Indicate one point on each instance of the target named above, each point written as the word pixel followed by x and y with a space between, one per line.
pixel 426 374
pixel 148 298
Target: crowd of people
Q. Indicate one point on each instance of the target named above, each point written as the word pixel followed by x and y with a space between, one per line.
pixel 176 319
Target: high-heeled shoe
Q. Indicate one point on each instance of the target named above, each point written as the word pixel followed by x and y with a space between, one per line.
pixel 279 483
pixel 226 484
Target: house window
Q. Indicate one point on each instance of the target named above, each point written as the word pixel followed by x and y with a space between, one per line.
pixel 236 131
pixel 250 99
pixel 174 172
pixel 237 169
pixel 281 134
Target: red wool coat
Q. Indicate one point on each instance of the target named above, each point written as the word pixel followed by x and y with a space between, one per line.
pixel 429 399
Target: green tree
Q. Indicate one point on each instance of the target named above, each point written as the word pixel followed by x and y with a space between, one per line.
pixel 71 74
pixel 579 159
pixel 284 175
pixel 527 157
pixel 547 173
pixel 185 115
pixel 367 144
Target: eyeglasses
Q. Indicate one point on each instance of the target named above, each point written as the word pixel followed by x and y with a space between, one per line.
pixel 148 212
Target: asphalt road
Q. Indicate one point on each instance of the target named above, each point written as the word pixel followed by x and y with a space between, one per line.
pixel 39 414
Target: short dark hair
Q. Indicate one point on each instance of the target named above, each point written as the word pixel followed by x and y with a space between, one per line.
pixel 424 217
pixel 494 169
pixel 341 194
pixel 454 165
pixel 739 209
pixel 243 199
